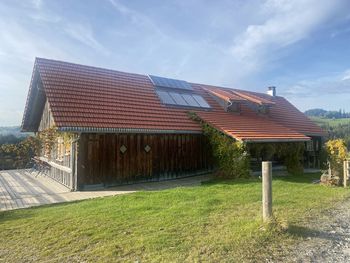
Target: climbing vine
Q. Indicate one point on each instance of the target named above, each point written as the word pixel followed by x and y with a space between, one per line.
pixel 48 138
pixel 230 155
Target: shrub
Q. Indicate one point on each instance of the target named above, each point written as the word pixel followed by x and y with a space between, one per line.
pixel 18 156
pixel 337 153
pixel 231 155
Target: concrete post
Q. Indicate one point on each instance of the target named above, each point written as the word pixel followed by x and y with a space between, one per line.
pixel 267 190
pixel 345 173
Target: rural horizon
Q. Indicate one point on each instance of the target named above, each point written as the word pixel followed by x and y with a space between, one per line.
pixel 175 131
pixel 251 50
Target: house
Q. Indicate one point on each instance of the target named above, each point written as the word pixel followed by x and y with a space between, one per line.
pixel 126 127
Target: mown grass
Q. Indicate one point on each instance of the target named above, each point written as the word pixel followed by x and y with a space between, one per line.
pixel 330 122
pixel 216 222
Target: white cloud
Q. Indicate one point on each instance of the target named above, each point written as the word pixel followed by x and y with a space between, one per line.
pixel 37 4
pixel 85 35
pixel 346 75
pixel 338 83
pixel 286 22
pixel 136 17
pixel 21 43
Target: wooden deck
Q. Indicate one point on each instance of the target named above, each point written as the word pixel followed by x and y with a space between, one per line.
pixel 23 188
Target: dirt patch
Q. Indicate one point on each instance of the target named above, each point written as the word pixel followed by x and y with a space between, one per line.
pixel 325 239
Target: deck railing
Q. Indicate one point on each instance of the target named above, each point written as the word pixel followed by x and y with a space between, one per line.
pixel 59 170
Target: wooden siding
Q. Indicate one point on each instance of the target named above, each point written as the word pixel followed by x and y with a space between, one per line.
pixel 101 161
pixel 46 118
pixel 58 165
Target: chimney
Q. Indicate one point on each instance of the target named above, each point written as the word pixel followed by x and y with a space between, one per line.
pixel 271 91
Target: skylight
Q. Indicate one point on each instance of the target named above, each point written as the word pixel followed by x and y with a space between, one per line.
pixel 182 99
pixel 170 83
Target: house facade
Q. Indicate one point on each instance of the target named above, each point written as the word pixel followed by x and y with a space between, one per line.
pixel 113 127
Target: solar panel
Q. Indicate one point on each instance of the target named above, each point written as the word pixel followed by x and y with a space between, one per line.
pixel 178 98
pixel 170 83
pixel 165 97
pixel 201 101
pixel 182 99
pixel 190 100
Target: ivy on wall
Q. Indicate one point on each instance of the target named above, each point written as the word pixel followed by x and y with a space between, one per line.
pixel 230 155
pixel 49 137
pixel 233 157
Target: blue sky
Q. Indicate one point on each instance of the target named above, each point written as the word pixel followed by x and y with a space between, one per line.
pixel 302 47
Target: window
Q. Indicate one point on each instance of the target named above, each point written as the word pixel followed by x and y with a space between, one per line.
pixel 182 99
pixel 60 149
pixel 309 146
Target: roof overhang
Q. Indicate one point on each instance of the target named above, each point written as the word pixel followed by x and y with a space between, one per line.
pixel 124 130
pixel 275 140
pixel 316 135
pixel 34 105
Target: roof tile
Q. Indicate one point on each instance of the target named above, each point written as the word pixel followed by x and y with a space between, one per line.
pixel 84 96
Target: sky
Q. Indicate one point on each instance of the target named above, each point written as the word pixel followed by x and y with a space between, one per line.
pixel 302 46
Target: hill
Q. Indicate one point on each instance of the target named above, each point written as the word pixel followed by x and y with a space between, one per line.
pixel 335 128
pixel 327 114
pixel 330 122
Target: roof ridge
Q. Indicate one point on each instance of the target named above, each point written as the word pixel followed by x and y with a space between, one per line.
pixel 202 85
pixel 38 59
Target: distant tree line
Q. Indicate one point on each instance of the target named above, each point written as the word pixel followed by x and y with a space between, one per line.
pixel 10 139
pixel 328 114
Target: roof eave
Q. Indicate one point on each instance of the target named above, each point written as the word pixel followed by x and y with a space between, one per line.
pixel 276 140
pixel 125 130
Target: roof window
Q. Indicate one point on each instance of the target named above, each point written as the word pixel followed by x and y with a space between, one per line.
pixel 182 99
pixel 170 83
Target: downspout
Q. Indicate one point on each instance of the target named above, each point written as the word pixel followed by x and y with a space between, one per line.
pixel 228 105
pixel 74 177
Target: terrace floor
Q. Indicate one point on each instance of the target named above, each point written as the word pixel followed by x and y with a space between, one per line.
pixel 23 188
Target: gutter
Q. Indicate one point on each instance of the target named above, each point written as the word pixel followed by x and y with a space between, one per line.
pixel 124 130
pixel 276 140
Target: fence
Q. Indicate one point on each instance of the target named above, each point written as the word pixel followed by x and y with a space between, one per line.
pixel 346 172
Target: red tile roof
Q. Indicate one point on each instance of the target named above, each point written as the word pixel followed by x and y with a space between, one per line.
pixel 95 98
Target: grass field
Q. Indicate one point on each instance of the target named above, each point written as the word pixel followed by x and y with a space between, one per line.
pixel 218 221
pixel 330 122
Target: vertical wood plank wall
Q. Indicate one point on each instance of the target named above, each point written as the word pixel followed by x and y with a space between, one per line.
pixel 100 160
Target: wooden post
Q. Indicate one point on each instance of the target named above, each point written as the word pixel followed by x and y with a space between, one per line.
pixel 267 190
pixel 345 173
pixel 72 165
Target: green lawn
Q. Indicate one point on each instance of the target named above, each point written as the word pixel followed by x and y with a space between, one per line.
pixel 330 122
pixel 217 221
